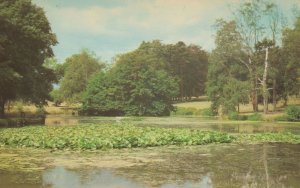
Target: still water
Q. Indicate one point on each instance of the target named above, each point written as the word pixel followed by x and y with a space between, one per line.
pixel 180 122
pixel 211 166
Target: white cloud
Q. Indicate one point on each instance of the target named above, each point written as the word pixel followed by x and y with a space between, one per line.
pixel 162 16
pixel 120 27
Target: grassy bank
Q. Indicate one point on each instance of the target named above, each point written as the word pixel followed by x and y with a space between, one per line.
pixel 124 136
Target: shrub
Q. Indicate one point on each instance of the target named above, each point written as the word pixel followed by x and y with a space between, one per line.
pixel 293 113
pixel 233 116
pixel 184 111
pixel 282 118
pixel 207 112
pixel 255 117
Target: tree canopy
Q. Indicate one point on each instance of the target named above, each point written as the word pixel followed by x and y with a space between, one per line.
pixel 77 70
pixel 136 85
pixel 248 61
pixel 26 40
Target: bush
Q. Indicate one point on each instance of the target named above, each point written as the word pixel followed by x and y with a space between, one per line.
pixel 233 116
pixel 293 113
pixel 207 112
pixel 255 117
pixel 184 111
pixel 236 116
pixel 282 118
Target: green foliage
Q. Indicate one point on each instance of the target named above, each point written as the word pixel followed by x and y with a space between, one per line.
pixel 236 116
pixel 233 116
pixel 189 64
pixel 136 85
pixel 25 42
pixel 102 96
pixel 78 69
pixel 56 97
pixel 106 136
pixel 180 111
pixel 255 117
pixel 207 112
pixel 291 43
pixel 282 118
pixel 268 137
pixel 227 84
pixel 293 113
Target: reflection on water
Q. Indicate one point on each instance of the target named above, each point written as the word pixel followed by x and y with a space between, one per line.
pixel 59 177
pixel 179 122
pixel 212 166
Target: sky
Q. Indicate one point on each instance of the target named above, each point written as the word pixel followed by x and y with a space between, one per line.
pixel 111 27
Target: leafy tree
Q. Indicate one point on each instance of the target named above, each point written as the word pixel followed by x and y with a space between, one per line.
pixel 25 42
pixel 257 20
pixel 136 85
pixel 77 70
pixel 188 64
pixel 102 96
pixel 227 84
pixel 291 43
pixel 56 97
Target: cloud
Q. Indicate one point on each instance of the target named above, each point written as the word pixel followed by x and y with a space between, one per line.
pixel 112 25
pixel 161 16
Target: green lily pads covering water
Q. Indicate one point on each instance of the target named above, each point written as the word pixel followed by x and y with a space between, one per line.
pixel 92 137
pixel 106 136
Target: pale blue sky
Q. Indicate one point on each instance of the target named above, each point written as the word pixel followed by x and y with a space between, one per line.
pixel 110 27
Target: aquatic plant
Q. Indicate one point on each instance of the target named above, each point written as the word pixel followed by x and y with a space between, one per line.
pixel 285 137
pixel 106 136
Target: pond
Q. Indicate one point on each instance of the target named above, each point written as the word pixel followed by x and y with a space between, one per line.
pixel 210 166
pixel 180 122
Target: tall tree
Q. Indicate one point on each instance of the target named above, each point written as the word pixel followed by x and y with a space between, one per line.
pixel 256 20
pixel 291 48
pixel 227 84
pixel 78 69
pixel 136 85
pixel 25 42
pixel 189 64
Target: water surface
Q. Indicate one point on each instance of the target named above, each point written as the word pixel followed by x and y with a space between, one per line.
pixel 211 166
pixel 180 122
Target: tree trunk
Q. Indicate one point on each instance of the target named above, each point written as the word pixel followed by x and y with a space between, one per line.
pixel 274 95
pixel 254 94
pixel 253 78
pixel 264 83
pixel 2 105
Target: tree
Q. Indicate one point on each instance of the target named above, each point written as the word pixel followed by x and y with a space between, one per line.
pixel 25 42
pixel 257 20
pixel 291 47
pixel 78 69
pixel 189 64
pixel 136 85
pixel 227 84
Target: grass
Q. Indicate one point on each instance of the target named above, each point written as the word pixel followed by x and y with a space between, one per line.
pixel 92 137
